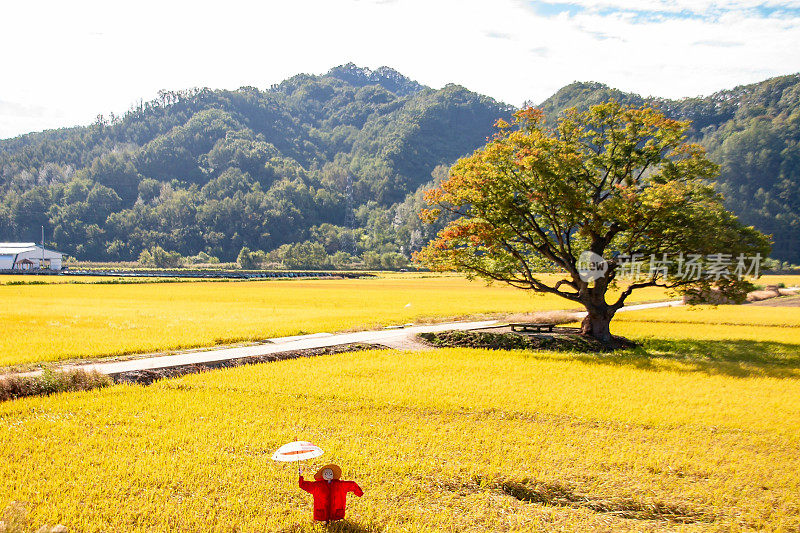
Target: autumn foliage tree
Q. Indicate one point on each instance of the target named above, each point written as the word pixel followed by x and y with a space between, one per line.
pixel 618 182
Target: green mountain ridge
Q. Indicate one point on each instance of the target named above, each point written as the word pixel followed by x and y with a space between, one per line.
pixel 753 133
pixel 337 162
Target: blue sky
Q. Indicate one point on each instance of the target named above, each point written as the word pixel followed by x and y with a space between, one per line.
pixel 65 62
pixel 660 10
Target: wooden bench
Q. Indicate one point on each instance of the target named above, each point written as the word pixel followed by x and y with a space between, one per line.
pixel 530 327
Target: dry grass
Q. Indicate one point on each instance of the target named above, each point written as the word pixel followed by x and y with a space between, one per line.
pixel 50 382
pixel 765 294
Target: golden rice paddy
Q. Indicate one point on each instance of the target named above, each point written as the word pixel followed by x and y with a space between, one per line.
pixel 698 430
pixel 449 440
pixel 777 324
pixel 55 322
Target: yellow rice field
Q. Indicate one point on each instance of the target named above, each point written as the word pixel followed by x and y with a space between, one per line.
pixel 697 430
pixel 776 324
pixel 448 440
pixel 54 322
pixel 28 279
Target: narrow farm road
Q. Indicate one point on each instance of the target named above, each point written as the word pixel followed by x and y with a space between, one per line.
pixel 395 337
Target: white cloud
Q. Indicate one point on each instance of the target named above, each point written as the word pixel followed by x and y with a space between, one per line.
pixel 73 60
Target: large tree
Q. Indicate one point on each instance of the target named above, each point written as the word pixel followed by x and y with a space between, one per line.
pixel 616 187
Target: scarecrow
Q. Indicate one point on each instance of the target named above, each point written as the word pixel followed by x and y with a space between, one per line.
pixel 330 492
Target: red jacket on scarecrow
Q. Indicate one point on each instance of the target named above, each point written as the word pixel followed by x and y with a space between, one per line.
pixel 330 497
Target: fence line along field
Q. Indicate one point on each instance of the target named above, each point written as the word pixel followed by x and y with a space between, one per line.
pixel 665 439
pixel 54 322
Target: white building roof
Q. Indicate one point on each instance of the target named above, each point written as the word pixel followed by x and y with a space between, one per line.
pixel 16 247
pixel 13 248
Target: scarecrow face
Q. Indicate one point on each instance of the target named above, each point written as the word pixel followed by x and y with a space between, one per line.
pixel 327 474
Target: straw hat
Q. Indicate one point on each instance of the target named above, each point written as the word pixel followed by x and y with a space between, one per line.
pixel 337 472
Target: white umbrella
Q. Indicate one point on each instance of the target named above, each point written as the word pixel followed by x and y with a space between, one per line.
pixel 297 451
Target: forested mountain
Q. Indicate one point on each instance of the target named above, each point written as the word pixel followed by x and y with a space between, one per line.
pixel 324 170
pixel 320 158
pixel 751 131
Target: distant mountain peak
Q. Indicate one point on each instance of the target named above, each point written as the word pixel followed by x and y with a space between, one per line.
pixel 386 77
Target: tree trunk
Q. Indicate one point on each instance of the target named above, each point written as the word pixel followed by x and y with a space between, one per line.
pixel 596 324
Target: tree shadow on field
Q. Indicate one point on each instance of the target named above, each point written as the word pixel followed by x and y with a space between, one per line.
pixel 736 358
pixel 554 494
